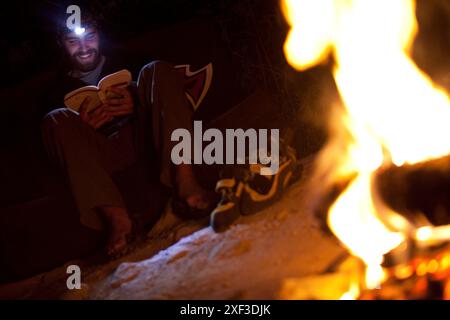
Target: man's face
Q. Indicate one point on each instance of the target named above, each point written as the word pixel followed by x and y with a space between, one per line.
pixel 83 49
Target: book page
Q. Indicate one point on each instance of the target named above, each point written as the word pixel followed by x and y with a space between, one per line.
pixel 74 99
pixel 121 78
pixel 99 94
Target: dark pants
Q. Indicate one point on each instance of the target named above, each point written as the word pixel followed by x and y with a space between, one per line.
pixel 89 159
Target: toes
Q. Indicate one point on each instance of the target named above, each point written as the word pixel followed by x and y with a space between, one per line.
pixel 117 246
pixel 193 201
pixel 118 242
pixel 198 202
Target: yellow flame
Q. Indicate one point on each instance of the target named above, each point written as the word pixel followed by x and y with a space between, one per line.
pixel 393 110
pixel 404 271
pixel 318 19
pixel 428 236
pixel 421 269
pixel 445 262
pixel 354 220
pixel 352 293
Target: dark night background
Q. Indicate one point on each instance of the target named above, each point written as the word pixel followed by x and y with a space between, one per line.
pixel 28 43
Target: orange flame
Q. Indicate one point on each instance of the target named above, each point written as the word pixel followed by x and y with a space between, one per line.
pixel 394 113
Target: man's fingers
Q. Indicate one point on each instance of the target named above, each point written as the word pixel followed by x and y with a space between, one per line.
pixel 98 112
pixel 96 118
pixel 119 90
pixel 119 112
pixel 116 101
pixel 101 120
pixel 120 101
pixel 122 109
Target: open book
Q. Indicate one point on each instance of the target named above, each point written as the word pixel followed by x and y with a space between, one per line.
pixel 98 94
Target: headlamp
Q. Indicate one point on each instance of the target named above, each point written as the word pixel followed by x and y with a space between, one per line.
pixel 79 31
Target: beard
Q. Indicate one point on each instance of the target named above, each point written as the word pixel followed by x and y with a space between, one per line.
pixel 85 61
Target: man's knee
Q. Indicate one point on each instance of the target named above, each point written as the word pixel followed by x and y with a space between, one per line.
pixel 60 121
pixel 157 67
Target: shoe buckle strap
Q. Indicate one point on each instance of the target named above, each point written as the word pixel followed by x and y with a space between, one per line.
pixel 225 184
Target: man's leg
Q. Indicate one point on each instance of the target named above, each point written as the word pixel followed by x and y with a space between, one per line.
pixel 164 106
pixel 80 152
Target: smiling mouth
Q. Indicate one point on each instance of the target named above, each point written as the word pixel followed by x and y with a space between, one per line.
pixel 85 56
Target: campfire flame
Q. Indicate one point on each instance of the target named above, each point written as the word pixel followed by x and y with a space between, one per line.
pixel 394 114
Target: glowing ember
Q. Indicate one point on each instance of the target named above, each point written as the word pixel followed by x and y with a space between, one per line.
pixel 394 114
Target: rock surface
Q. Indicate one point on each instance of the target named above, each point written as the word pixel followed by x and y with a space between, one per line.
pixel 249 261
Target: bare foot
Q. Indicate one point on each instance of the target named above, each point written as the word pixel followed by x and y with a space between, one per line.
pixel 191 191
pixel 119 229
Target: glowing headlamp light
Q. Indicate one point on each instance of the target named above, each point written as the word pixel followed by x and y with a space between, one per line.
pixel 79 31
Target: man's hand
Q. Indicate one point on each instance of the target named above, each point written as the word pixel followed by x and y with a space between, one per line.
pixel 96 118
pixel 120 106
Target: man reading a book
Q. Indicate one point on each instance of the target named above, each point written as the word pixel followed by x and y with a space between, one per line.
pixel 134 126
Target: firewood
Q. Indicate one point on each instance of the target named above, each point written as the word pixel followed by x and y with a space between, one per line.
pixel 413 190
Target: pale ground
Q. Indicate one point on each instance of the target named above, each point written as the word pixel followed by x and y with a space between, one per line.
pixel 249 261
pixel 190 261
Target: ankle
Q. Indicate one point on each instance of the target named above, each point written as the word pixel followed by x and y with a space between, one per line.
pixel 186 182
pixel 114 213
